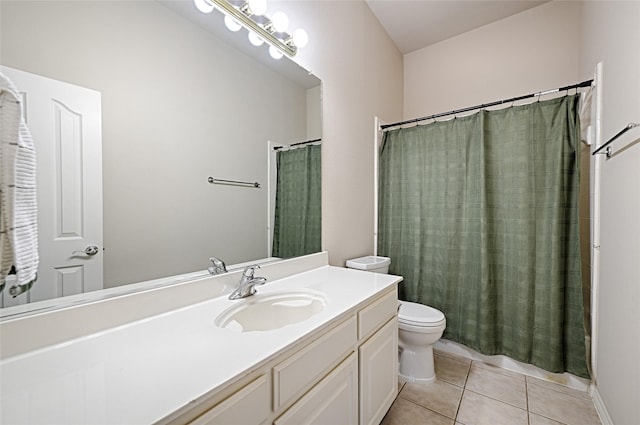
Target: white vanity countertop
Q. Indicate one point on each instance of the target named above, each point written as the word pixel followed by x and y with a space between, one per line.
pixel 141 372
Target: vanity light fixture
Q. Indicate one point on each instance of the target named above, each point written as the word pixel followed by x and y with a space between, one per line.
pixel 258 7
pixel 255 39
pixel 232 24
pixel 251 15
pixel 275 53
pixel 204 6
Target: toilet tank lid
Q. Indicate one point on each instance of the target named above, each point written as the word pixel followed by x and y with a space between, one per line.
pixel 368 263
pixel 419 313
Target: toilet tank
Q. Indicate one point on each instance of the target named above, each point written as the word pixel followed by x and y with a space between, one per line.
pixel 370 263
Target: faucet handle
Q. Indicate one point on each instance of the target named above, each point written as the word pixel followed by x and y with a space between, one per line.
pixel 249 270
pixel 218 266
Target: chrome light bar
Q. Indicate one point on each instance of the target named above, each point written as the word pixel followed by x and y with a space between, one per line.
pixel 261 25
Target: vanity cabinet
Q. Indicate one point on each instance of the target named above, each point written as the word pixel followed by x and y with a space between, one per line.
pixel 378 358
pixel 295 375
pixel 334 400
pixel 336 366
pixel 378 373
pixel 250 405
pixel 346 374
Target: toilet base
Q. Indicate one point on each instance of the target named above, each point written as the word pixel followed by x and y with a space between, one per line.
pixel 417 366
pixel 414 380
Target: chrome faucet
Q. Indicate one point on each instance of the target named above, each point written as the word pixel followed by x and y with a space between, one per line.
pixel 218 266
pixel 247 284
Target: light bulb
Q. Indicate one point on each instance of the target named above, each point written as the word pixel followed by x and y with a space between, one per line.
pixel 258 7
pixel 280 21
pixel 255 39
pixel 300 38
pixel 231 23
pixel 204 6
pixel 274 52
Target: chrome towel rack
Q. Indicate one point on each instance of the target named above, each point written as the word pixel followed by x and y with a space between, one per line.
pixel 620 133
pixel 233 182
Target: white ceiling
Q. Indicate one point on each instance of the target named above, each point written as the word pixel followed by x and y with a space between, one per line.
pixel 414 24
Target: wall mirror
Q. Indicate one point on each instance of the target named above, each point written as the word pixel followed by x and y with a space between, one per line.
pixel 181 99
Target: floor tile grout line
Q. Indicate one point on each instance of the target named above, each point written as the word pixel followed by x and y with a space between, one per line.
pixel 558 391
pixel 501 376
pixel 429 408
pixel 468 365
pixel 426 408
pixel 464 388
pixel 506 375
pixel 451 383
pixel 528 380
pixel 529 412
pixel 551 419
pixel 498 400
pixel 526 395
pixel 530 383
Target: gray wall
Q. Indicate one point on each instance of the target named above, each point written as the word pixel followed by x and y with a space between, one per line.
pixel 361 73
pixel 610 34
pixel 532 51
pixel 555 44
pixel 178 106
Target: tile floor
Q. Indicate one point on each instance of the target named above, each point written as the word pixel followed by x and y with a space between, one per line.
pixel 474 393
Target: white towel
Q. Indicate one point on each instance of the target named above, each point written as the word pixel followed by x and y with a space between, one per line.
pixel 586 103
pixel 18 207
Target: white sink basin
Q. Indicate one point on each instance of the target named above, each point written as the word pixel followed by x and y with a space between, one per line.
pixel 265 312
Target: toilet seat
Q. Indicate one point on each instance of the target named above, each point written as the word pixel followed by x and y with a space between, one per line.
pixel 420 315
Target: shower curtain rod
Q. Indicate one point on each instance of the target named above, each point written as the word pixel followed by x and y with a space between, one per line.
pixel 275 148
pixel 486 105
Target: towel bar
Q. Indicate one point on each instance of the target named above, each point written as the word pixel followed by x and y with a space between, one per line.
pixel 232 182
pixel 620 133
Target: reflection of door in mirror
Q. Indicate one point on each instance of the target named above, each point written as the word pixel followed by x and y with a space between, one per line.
pixel 65 123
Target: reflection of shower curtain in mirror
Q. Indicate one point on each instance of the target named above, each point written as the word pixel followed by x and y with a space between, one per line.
pixel 296 229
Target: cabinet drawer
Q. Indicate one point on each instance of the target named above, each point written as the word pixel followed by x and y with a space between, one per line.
pixel 377 314
pixel 334 400
pixel 303 369
pixel 250 405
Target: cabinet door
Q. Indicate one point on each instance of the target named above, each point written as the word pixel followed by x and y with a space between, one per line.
pixel 250 405
pixel 334 400
pixel 297 374
pixel 379 373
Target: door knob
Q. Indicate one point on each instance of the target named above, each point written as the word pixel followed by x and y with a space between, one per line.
pixel 89 250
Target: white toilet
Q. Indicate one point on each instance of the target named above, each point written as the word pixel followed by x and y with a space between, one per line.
pixel 419 327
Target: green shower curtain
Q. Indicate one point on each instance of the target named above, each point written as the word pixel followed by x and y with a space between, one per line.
pixel 480 216
pixel 297 224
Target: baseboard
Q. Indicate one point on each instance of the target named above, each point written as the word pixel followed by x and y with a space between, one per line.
pixel 603 413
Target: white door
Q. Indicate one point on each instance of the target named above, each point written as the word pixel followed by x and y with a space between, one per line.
pixel 66 124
